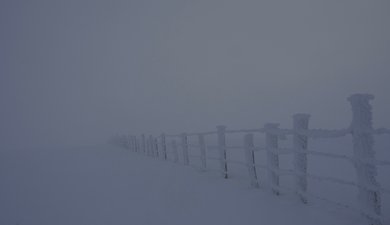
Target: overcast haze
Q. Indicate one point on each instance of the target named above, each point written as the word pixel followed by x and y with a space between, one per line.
pixel 75 72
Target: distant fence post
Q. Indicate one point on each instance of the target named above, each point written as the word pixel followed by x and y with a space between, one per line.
pixel 369 196
pixel 202 147
pixel 143 144
pixel 127 141
pixel 163 146
pixel 136 144
pixel 271 142
pixel 250 159
pixel 300 123
pixel 156 152
pixel 184 146
pixel 132 141
pixel 222 149
pixel 175 153
pixel 150 146
pixel 147 150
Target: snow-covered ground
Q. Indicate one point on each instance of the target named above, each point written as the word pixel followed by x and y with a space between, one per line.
pixel 110 185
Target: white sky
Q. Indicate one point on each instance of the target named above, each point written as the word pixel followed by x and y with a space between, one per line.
pixel 79 71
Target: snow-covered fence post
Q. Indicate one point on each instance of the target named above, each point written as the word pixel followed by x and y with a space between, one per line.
pixel 163 146
pixel 152 151
pixel 300 123
pixel 150 146
pixel 147 151
pixel 369 196
pixel 127 141
pixel 271 142
pixel 132 143
pixel 202 148
pixel 155 142
pixel 139 145
pixel 184 146
pixel 175 153
pixel 222 149
pixel 250 159
pixel 143 144
pixel 136 144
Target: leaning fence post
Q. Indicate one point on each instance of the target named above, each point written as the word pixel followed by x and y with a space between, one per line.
pixel 222 149
pixel 300 123
pixel 175 153
pixel 250 159
pixel 163 146
pixel 202 147
pixel 271 142
pixel 369 196
pixel 184 145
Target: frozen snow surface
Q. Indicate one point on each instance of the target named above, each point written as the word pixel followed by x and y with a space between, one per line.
pixel 108 185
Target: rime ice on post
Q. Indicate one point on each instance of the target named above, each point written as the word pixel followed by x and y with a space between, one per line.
pixel 155 142
pixel 361 127
pixel 250 159
pixel 222 150
pixel 150 146
pixel 184 145
pixel 202 147
pixel 128 141
pixel 300 123
pixel 163 146
pixel 132 144
pixel 175 153
pixel 271 142
pixel 147 152
pixel 143 143
pixel 136 144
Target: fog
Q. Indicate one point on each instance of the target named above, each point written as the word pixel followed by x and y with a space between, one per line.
pixel 75 72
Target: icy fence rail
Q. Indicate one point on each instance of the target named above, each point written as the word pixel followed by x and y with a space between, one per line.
pixel 363 157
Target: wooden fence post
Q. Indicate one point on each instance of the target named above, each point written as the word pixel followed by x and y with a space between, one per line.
pixel 202 148
pixel 184 145
pixel 151 146
pixel 369 196
pixel 271 142
pixel 300 123
pixel 156 152
pixel 250 159
pixel 147 151
pixel 152 150
pixel 136 144
pixel 143 144
pixel 163 146
pixel 222 150
pixel 132 143
pixel 126 141
pixel 175 153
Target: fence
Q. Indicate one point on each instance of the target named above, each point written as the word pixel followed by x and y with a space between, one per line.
pixel 363 158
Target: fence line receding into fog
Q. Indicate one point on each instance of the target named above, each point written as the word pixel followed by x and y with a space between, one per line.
pixel 167 146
